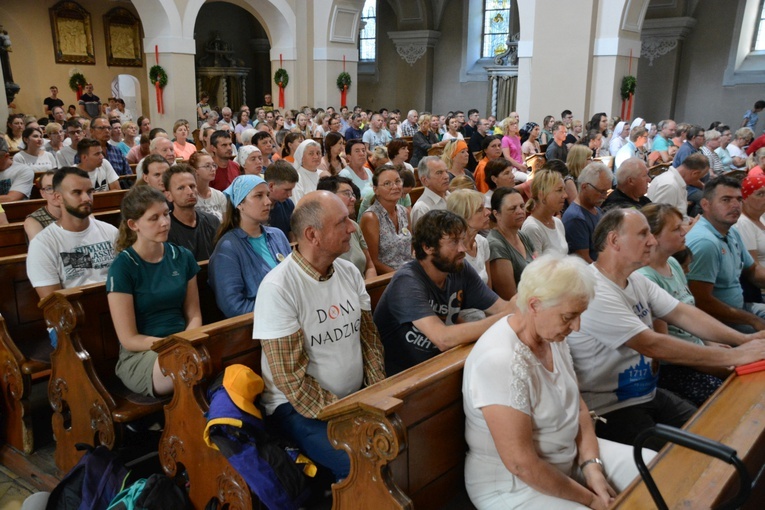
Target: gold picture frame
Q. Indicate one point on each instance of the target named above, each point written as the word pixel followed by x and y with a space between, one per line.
pixel 72 34
pixel 122 31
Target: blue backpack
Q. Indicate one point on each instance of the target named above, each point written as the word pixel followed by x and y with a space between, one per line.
pixel 158 492
pixel 92 483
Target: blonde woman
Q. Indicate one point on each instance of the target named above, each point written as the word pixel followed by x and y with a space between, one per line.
pixel 543 226
pixel 456 158
pixel 511 148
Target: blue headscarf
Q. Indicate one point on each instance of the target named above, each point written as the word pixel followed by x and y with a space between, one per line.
pixel 241 187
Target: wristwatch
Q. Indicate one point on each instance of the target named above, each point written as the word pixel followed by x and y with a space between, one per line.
pixel 594 460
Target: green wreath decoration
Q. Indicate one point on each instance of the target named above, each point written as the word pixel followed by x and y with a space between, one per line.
pixel 281 78
pixel 343 80
pixel 157 74
pixel 77 81
pixel 628 86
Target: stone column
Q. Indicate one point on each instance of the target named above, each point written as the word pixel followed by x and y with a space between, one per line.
pixel 176 56
pixel 415 47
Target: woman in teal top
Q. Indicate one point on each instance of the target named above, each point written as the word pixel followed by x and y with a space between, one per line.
pixel 152 290
pixel 694 384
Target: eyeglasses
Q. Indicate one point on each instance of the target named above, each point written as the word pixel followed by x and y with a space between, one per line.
pixel 390 184
pixel 348 193
pixel 74 133
pixel 48 189
pixel 602 192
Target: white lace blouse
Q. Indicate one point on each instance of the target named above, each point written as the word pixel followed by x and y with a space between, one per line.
pixel 501 370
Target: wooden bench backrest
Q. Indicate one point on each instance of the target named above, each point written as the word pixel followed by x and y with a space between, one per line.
pixel 406 437
pixel 13 240
pixel 18 305
pixel 103 201
pixel 416 193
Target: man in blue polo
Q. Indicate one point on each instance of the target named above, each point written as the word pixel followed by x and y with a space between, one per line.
pixel 720 259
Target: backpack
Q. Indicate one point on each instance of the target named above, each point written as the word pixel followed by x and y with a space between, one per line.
pixel 274 471
pixel 158 492
pixel 92 483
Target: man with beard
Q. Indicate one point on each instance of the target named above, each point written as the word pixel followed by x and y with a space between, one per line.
pixel 77 249
pixel 417 314
pixel 191 228
pixel 222 152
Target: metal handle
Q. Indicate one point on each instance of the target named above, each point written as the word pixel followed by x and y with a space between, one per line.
pixel 699 444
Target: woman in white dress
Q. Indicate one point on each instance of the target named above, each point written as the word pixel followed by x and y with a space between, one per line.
pixel 531 441
pixel 307 160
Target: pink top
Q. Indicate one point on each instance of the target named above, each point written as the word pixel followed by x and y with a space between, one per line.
pixel 514 144
pixel 184 152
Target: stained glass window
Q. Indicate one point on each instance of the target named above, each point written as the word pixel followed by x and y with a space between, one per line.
pixel 496 27
pixel 368 37
pixel 759 36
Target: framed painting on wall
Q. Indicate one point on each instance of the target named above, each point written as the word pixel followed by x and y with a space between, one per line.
pixel 123 38
pixel 72 34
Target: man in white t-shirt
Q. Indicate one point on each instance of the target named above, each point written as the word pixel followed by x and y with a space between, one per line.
pixel 313 318
pixel 77 249
pixel 615 350
pixel 100 171
pixel 671 187
pixel 15 179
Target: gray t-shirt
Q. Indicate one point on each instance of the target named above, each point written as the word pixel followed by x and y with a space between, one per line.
pixel 198 240
pixel 412 295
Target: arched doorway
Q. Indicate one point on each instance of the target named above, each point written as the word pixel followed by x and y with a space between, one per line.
pixel 249 45
pixel 128 88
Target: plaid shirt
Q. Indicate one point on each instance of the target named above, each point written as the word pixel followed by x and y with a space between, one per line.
pixel 288 360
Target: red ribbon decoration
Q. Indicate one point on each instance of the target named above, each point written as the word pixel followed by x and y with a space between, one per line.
pixel 157 88
pixel 79 92
pixel 281 86
pixel 343 96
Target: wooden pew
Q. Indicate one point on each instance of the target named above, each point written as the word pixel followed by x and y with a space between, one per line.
pixel 536 161
pixel 13 240
pixel 24 352
pixel 405 437
pixel 416 193
pixel 735 416
pixel 103 201
pixel 90 404
pixel 192 359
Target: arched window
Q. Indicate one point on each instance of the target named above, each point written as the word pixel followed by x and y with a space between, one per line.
pixel 368 37
pixel 496 27
pixel 759 37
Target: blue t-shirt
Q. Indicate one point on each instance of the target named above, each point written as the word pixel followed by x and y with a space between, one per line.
pixel 719 260
pixel 158 288
pixel 661 144
pixel 683 152
pixel 752 118
pixel 281 212
pixel 580 225
pixel 412 295
pixel 260 247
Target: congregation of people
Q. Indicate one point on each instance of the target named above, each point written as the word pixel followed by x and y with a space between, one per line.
pixel 612 267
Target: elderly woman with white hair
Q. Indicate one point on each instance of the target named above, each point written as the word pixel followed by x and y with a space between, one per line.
pixel 250 160
pixel 531 441
pixel 307 161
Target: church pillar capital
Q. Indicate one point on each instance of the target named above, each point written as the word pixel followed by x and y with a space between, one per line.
pixel 411 45
pixel 660 36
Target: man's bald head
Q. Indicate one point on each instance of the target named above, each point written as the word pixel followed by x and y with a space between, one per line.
pixel 309 211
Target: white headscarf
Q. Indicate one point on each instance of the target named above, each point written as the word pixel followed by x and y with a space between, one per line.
pixel 301 149
pixel 618 130
pixel 636 123
pixel 244 153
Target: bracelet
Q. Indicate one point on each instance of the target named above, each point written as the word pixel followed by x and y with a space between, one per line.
pixel 594 460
